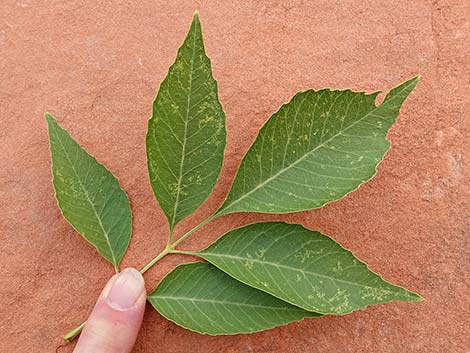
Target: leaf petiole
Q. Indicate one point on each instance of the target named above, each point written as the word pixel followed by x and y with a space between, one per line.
pixel 184 252
pixel 170 249
pixel 170 238
pixel 160 256
pixel 69 336
pixel 191 231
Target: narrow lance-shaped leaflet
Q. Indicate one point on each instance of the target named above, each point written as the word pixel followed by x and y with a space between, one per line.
pixel 186 134
pixel 317 148
pixel 200 297
pixel 302 267
pixel 89 196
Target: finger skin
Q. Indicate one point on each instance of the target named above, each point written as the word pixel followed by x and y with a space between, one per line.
pixel 115 321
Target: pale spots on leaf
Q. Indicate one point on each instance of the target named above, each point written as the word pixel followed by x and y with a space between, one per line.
pixel 320 276
pixel 178 66
pixel 308 254
pixel 86 192
pixel 249 264
pixel 175 188
pixel 260 253
pixel 340 301
pixel 206 120
pixel 174 108
pixel 313 140
pixel 193 179
pixel 189 136
pixel 318 293
pixel 375 293
pixel 338 268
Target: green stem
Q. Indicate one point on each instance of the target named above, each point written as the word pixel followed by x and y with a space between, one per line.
pixel 184 252
pixel 170 238
pixel 69 336
pixel 191 231
pixel 155 260
pixel 170 249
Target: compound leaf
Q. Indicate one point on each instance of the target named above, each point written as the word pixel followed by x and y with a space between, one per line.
pixel 314 150
pixel 186 134
pixel 199 297
pixel 302 267
pixel 89 196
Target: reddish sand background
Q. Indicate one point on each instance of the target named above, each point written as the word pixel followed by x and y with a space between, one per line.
pixel 96 66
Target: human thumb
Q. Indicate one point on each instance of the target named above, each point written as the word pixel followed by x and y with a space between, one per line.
pixel 115 321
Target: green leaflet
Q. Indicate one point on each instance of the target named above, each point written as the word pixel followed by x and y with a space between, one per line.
pixel 199 297
pixel 302 267
pixel 314 150
pixel 89 196
pixel 186 134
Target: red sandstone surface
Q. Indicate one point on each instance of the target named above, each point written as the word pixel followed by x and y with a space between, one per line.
pixel 96 66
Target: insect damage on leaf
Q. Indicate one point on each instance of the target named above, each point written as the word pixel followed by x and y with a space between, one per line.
pixel 315 149
pixel 302 267
pixel 186 134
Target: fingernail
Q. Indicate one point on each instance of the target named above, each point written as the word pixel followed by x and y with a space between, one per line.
pixel 126 289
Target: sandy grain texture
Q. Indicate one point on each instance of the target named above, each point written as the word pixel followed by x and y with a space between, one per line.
pixel 96 66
